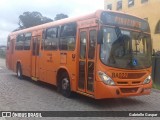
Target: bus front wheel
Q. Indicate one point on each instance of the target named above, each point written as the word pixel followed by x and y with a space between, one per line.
pixel 19 71
pixel 65 85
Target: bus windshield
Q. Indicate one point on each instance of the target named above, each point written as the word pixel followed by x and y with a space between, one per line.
pixel 130 51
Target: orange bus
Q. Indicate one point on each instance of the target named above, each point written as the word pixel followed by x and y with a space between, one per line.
pixel 105 54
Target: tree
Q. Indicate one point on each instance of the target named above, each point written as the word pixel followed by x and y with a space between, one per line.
pixel 60 16
pixel 29 19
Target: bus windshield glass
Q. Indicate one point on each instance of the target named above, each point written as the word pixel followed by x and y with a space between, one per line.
pixel 130 51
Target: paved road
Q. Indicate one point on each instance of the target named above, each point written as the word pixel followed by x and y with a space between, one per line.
pixel 27 95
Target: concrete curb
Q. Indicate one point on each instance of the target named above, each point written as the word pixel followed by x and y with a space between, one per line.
pixel 155 90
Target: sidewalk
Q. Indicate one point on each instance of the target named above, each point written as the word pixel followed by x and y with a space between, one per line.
pixel 2 62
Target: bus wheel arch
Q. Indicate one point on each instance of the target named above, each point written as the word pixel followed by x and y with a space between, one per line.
pixel 64 83
pixel 19 70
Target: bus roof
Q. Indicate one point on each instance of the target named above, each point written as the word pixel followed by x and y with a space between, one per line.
pixel 95 14
pixel 58 22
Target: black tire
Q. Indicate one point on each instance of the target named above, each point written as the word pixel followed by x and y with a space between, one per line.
pixel 19 71
pixel 65 85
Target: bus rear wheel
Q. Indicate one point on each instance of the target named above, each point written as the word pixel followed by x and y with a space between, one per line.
pixel 19 71
pixel 65 85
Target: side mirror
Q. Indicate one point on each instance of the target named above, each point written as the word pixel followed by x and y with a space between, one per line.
pixel 44 35
pixel 100 37
pixel 118 32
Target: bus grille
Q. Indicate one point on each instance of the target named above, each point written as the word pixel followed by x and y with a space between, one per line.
pixel 129 83
pixel 122 83
pixel 136 82
pixel 129 90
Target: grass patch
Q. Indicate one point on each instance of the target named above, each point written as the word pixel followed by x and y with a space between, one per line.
pixel 156 86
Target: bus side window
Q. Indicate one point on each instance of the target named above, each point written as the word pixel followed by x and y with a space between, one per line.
pixel 51 40
pixel 43 39
pixel 68 37
pixel 8 43
pixel 27 41
pixel 19 42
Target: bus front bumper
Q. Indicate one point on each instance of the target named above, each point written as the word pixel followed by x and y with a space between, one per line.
pixel 106 91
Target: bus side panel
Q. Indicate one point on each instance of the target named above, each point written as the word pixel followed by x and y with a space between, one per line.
pixel 7 59
pixel 24 57
pixel 51 62
pixel 26 63
pixel 72 67
pixel 47 66
pixel 10 54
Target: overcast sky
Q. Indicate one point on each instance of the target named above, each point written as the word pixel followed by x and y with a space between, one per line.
pixel 11 9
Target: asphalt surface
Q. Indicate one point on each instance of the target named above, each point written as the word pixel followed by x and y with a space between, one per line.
pixel 28 95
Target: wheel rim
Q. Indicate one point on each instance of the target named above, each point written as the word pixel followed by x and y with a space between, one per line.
pixel 65 83
pixel 18 72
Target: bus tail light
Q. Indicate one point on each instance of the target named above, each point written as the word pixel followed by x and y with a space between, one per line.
pixel 105 78
pixel 147 80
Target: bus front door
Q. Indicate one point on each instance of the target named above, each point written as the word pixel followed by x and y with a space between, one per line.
pixel 87 60
pixel 35 57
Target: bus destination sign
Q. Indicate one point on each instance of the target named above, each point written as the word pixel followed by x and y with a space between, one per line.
pixel 124 20
pixel 127 22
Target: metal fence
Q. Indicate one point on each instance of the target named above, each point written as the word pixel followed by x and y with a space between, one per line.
pixel 2 53
pixel 156 69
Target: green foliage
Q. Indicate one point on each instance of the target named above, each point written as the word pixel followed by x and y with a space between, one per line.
pixel 29 19
pixel 156 86
pixel 60 16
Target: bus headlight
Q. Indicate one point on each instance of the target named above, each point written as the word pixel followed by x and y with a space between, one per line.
pixel 147 80
pixel 105 78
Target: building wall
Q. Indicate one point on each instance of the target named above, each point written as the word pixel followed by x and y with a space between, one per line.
pixel 149 10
